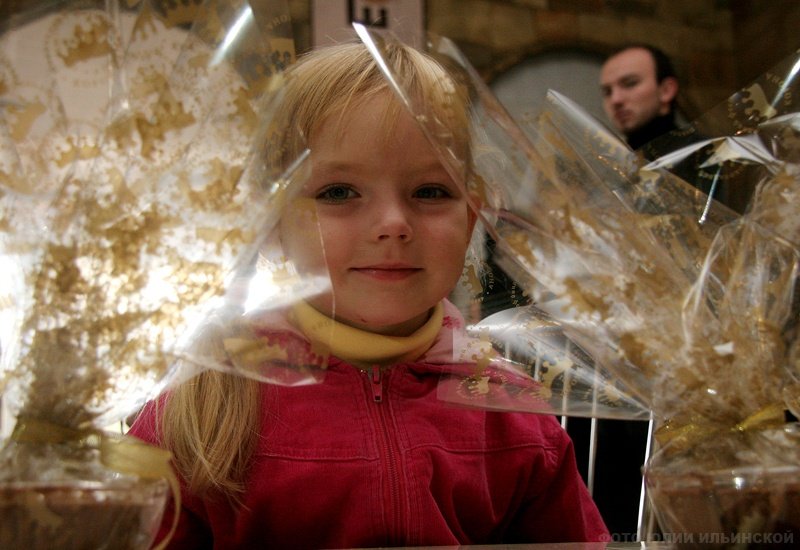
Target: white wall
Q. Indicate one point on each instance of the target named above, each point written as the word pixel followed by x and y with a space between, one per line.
pixel 522 88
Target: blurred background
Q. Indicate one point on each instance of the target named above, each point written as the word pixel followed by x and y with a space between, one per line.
pixel 524 47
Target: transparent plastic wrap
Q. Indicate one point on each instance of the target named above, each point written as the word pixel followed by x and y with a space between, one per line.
pixel 728 150
pixel 524 360
pixel 690 305
pixel 641 295
pixel 134 215
pixel 728 471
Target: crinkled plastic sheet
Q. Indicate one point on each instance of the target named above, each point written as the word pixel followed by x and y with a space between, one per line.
pixel 691 305
pixel 523 359
pixel 727 151
pixel 675 301
pixel 133 201
pixel 136 227
pixel 720 274
pixel 687 302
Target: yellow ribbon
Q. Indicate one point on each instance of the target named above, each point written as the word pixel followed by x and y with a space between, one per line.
pixel 682 435
pixel 122 454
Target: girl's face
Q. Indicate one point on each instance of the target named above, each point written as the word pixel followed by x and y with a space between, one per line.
pixel 394 227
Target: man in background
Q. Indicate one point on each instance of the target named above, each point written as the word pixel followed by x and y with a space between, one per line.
pixel 639 88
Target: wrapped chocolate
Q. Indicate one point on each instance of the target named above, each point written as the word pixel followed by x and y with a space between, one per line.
pixel 692 306
pixel 133 214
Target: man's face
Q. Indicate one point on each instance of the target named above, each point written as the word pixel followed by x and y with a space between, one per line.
pixel 632 96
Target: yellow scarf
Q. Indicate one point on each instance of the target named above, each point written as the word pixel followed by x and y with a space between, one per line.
pixel 363 348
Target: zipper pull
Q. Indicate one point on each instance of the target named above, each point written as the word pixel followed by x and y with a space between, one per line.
pixel 376 378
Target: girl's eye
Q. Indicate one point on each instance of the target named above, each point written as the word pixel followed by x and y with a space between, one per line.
pixel 432 192
pixel 336 193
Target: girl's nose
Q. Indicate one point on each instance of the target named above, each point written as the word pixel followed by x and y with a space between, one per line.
pixel 393 221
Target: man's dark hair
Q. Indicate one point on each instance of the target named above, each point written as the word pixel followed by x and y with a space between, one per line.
pixel 664 68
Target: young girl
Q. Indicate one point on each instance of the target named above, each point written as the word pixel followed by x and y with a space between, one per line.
pixel 368 457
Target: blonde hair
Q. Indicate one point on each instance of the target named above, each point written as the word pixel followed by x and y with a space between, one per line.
pixel 212 422
pixel 331 81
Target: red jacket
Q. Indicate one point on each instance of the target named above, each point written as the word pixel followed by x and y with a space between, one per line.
pixel 335 468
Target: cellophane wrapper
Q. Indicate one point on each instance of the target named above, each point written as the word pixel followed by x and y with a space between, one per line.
pixel 644 293
pixel 135 218
pixel 523 359
pixel 692 304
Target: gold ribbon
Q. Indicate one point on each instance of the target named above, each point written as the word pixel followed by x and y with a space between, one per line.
pixel 120 453
pixel 681 435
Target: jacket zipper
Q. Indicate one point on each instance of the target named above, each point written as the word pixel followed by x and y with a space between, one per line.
pixel 376 378
pixel 390 457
